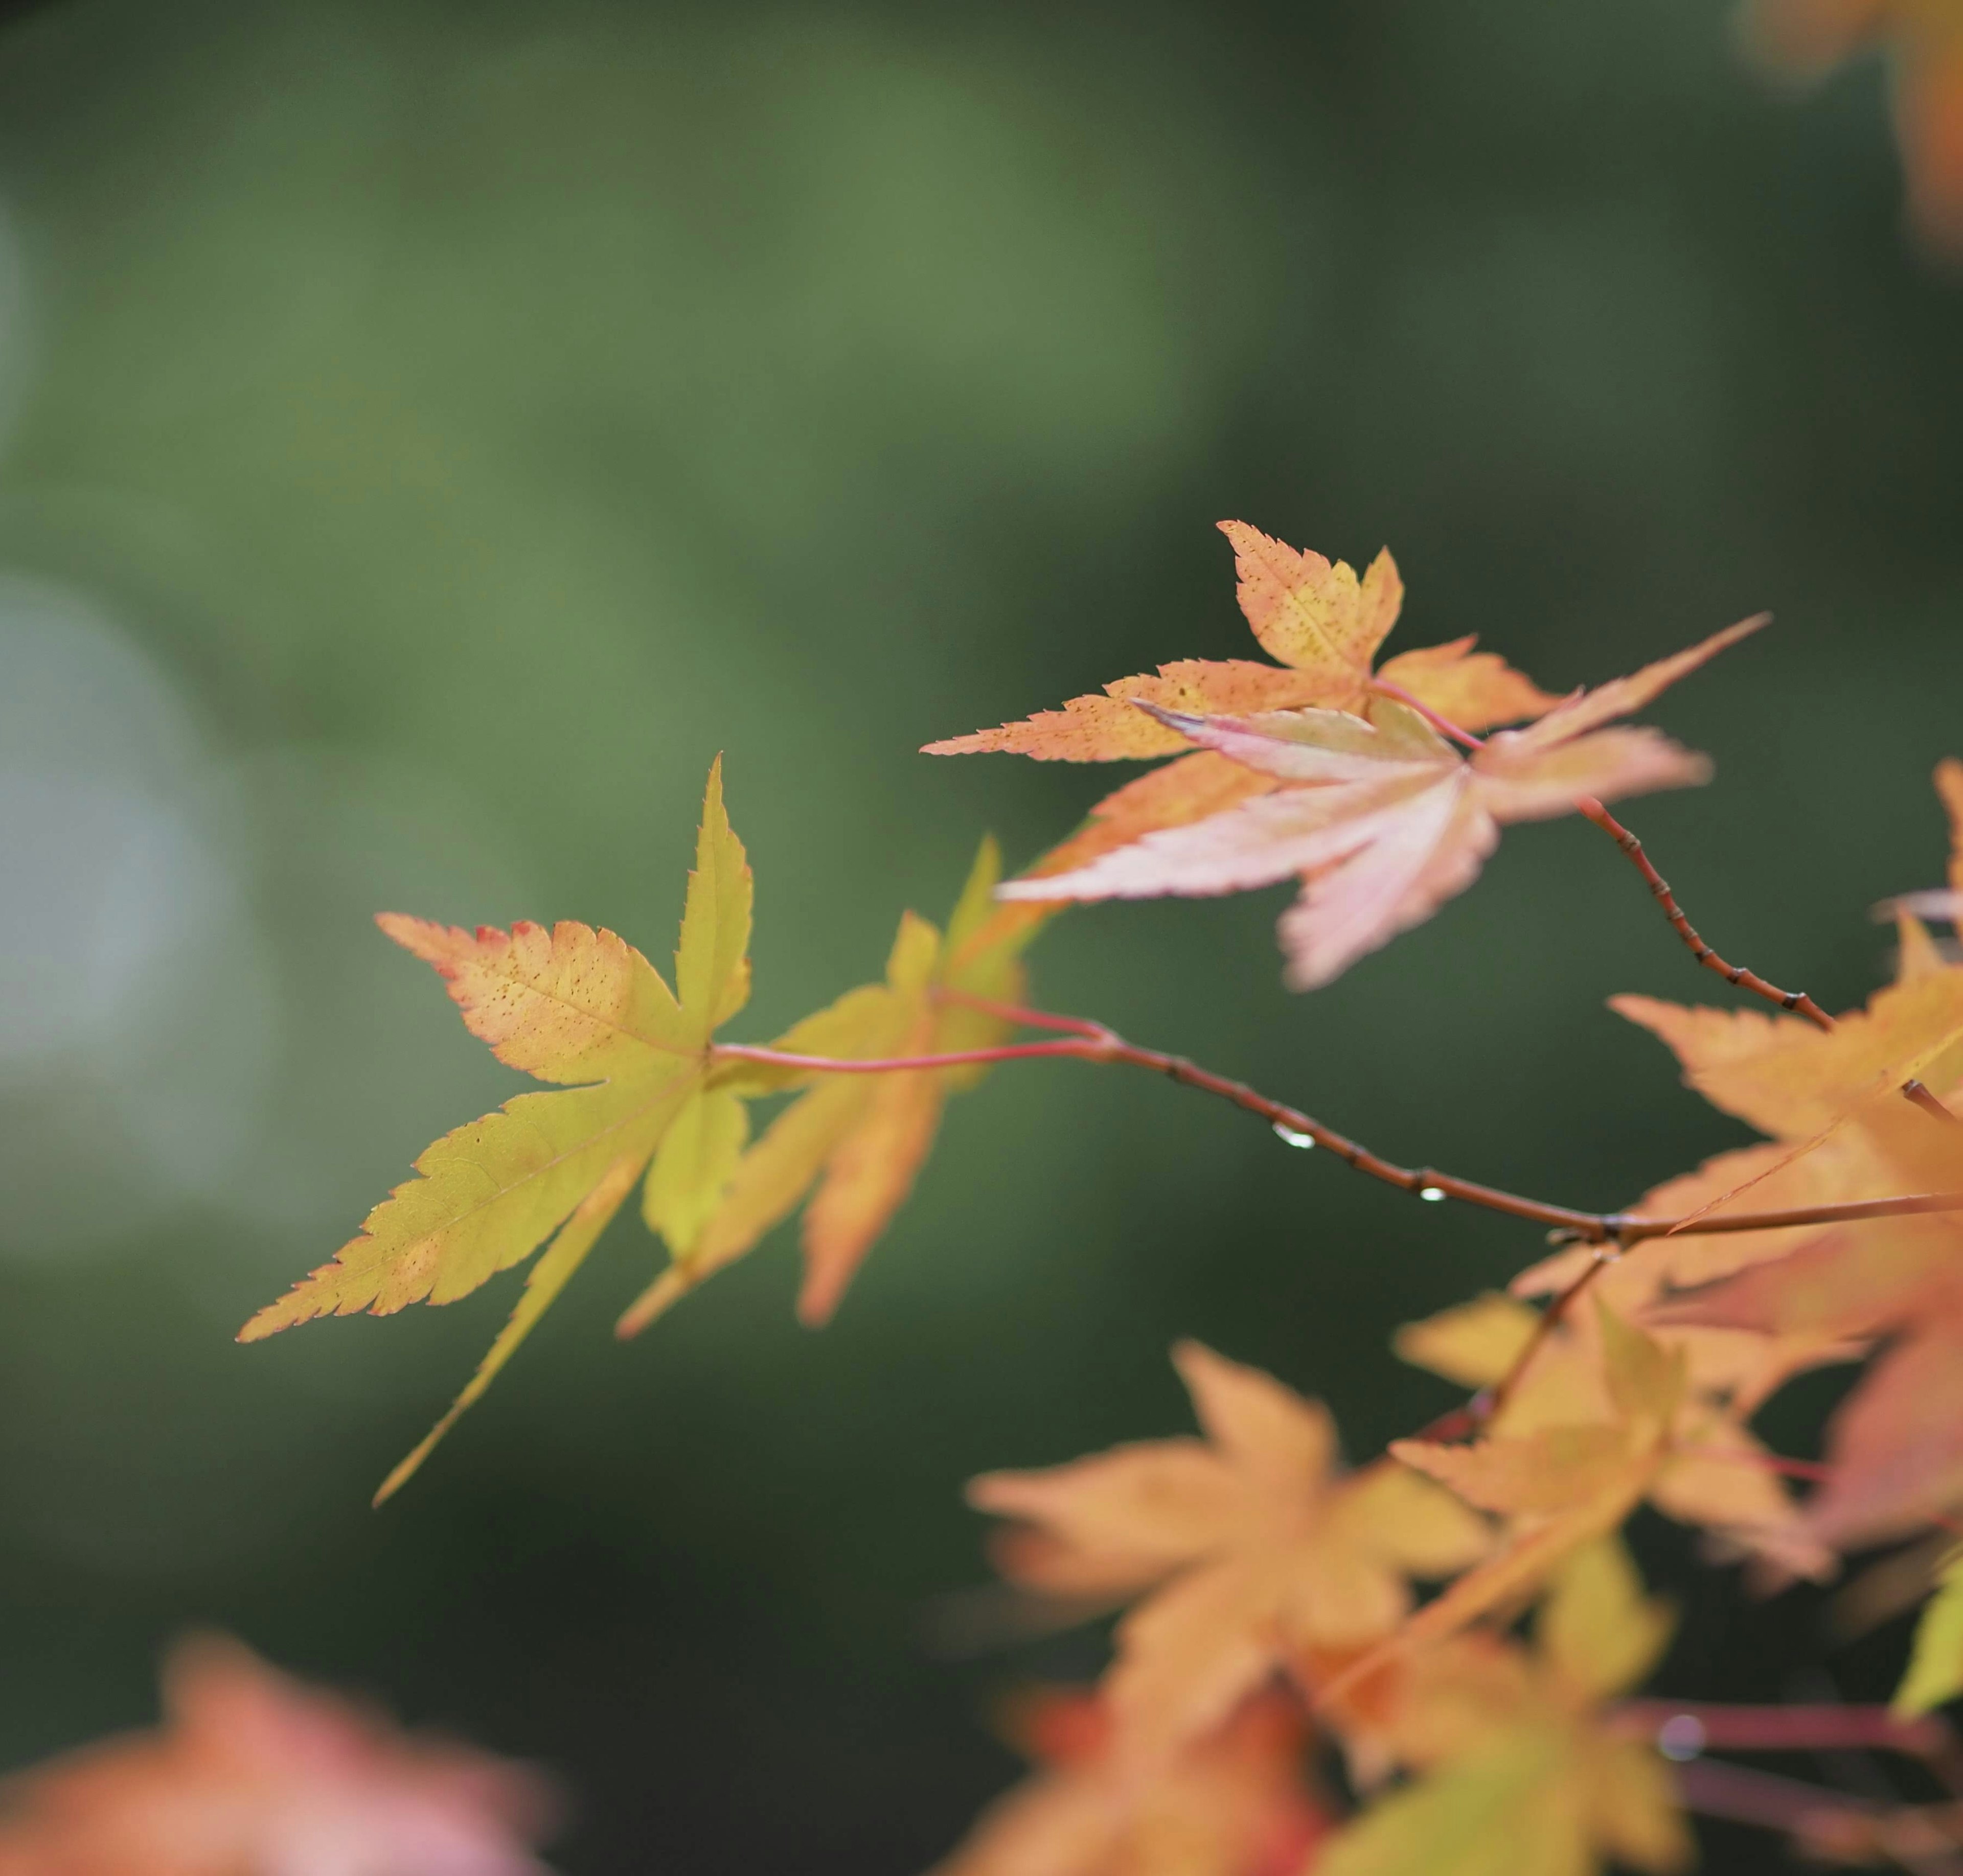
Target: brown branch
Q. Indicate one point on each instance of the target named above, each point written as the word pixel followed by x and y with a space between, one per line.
pixel 1914 1090
pixel 1796 1000
pixel 1610 1232
pixel 1086 1041
pixel 1684 1728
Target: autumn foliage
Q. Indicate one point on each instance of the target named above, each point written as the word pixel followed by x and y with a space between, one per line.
pixel 1426 1661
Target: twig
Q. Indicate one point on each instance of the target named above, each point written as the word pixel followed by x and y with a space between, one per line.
pixel 1796 1000
pixel 1914 1090
pixel 1684 1728
pixel 1087 1041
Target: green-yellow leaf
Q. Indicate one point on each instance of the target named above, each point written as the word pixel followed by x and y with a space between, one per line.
pixel 1935 1661
pixel 855 1143
pixel 693 1166
pixel 572 1005
pixel 543 1282
pixel 712 961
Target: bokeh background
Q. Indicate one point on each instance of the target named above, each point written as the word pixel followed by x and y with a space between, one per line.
pixel 428 433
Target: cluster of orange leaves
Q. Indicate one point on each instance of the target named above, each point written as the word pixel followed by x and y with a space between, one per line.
pixel 1269 1591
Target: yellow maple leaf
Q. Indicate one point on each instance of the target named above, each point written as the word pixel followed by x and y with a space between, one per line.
pixel 572 1005
pixel 1251 1549
pixel 645 1088
pixel 860 1139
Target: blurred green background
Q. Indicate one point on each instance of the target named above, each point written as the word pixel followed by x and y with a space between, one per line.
pixel 429 433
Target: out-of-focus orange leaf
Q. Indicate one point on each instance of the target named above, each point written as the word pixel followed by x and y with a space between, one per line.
pixel 1923 39
pixel 253 1775
pixel 1562 1480
pixel 1380 817
pixel 1235 1804
pixel 1253 1550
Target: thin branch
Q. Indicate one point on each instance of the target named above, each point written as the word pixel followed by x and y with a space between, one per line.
pixel 1092 1042
pixel 1914 1091
pixel 1629 1228
pixel 1485 1405
pixel 1684 1728
pixel 1796 1000
pixel 1085 1050
pixel 1022 1015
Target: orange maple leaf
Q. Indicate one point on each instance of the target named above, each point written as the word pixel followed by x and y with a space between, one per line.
pixel 250 1772
pixel 1321 623
pixel 1381 818
pixel 1236 1803
pixel 1925 40
pixel 1720 1477
pixel 1257 1553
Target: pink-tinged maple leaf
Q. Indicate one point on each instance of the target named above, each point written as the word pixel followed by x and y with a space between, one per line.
pixel 1323 625
pixel 253 1775
pixel 1380 817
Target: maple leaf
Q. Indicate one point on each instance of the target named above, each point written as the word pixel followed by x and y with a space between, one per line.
pixel 860 1139
pixel 1583 1442
pixel 1523 1769
pixel 250 1772
pixel 1235 1804
pixel 1925 37
pixel 1319 621
pixel 1381 818
pixel 1731 1488
pixel 1323 624
pixel 1256 1552
pixel 572 1005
